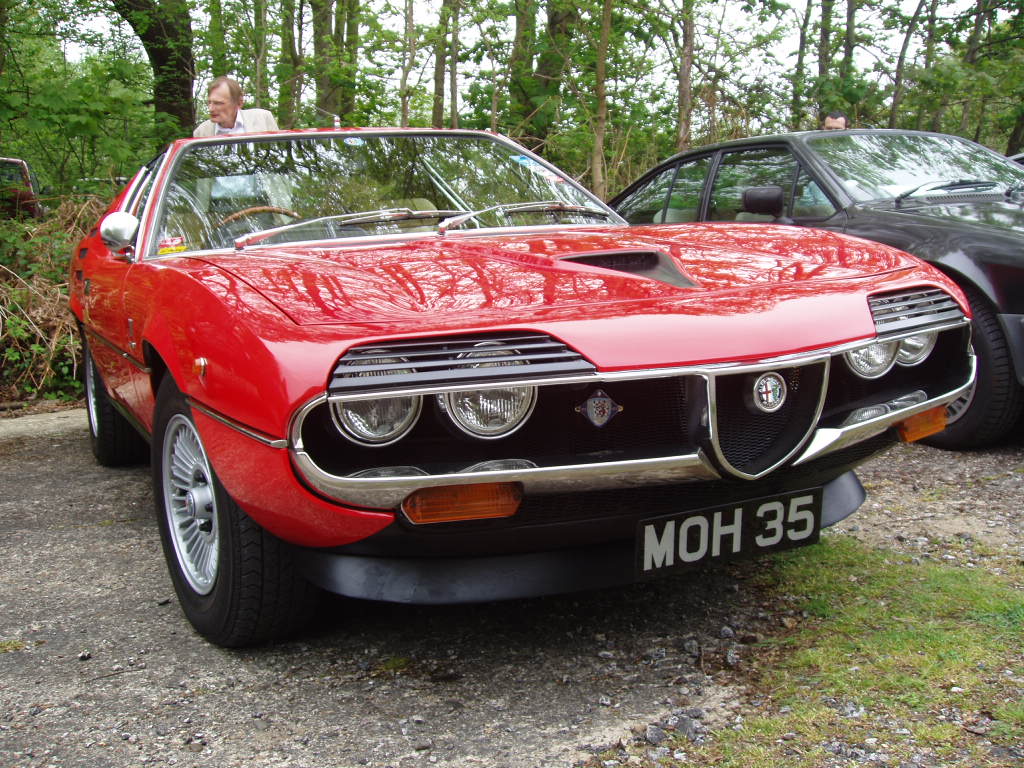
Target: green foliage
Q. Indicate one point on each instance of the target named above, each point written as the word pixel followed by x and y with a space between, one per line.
pixel 38 339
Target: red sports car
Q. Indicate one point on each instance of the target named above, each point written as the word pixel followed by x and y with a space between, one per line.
pixel 427 366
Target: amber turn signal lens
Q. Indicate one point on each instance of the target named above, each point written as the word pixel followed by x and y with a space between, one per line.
pixel 923 424
pixel 450 503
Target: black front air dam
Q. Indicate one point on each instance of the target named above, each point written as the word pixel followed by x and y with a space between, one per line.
pixel 448 580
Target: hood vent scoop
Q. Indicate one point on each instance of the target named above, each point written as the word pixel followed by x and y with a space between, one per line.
pixel 653 265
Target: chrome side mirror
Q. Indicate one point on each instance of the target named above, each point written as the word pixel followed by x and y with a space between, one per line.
pixel 118 230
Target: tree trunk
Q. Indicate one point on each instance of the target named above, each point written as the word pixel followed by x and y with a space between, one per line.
pixel 600 183
pixel 849 42
pixel 796 109
pixel 408 62
pixel 521 83
pixel 981 17
pixel 897 90
pixel 220 56
pixel 165 29
pixel 440 57
pixel 1015 144
pixel 551 60
pixel 684 76
pixel 288 71
pixel 347 25
pixel 824 53
pixel 453 67
pixel 323 54
pixel 259 93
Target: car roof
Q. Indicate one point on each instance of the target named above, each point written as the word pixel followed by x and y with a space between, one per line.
pixel 802 137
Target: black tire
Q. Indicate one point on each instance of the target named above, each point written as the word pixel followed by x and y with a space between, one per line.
pixel 114 441
pixel 991 409
pixel 237 583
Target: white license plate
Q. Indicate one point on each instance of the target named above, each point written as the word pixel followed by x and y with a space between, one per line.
pixel 686 539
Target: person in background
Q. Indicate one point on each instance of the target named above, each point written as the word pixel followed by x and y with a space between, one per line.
pixel 225 99
pixel 835 121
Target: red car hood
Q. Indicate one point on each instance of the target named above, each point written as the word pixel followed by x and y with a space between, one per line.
pixel 462 282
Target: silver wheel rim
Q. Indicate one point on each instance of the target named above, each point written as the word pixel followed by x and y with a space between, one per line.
pixel 92 407
pixel 190 504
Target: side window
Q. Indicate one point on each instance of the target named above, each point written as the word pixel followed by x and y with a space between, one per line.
pixel 646 203
pixel 684 202
pixel 809 201
pixel 749 168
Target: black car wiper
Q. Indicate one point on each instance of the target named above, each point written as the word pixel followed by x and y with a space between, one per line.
pixel 540 205
pixel 360 217
pixel 946 186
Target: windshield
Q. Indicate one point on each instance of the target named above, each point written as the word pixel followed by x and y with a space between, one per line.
pixel 336 186
pixel 881 166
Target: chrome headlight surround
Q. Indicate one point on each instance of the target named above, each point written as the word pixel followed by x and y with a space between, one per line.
pixel 493 412
pixel 873 360
pixel 915 349
pixel 381 421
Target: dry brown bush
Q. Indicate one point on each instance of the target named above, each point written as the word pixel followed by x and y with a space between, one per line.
pixel 39 348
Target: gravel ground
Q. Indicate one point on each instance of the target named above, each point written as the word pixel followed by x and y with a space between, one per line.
pixel 99 668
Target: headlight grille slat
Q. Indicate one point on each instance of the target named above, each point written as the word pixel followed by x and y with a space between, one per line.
pixel 898 312
pixel 447 361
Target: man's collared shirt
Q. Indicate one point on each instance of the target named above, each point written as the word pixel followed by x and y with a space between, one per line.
pixel 238 127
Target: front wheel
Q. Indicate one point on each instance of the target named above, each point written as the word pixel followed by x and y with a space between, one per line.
pixel 236 582
pixel 986 413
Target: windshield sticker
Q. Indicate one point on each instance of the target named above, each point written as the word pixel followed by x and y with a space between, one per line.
pixel 354 141
pixel 171 245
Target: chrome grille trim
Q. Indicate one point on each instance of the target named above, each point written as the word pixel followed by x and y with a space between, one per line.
pixel 899 312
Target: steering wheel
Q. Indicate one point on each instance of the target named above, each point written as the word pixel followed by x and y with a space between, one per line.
pixel 257 209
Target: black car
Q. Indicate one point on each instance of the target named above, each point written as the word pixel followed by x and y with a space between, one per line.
pixel 945 199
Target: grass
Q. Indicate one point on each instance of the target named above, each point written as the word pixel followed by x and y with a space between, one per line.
pixel 897 657
pixel 7 646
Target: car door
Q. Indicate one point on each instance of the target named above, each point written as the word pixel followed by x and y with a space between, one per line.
pixel 113 331
pixel 709 187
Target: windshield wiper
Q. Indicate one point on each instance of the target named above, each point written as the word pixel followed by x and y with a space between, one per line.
pixel 360 217
pixel 506 208
pixel 946 186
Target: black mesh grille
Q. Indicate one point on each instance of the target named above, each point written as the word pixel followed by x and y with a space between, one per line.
pixel 430 362
pixel 912 309
pixel 652 423
pixel 751 440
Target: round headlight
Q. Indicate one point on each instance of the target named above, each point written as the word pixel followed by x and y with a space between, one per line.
pixel 381 421
pixel 490 413
pixel 914 349
pixel 493 412
pixel 874 360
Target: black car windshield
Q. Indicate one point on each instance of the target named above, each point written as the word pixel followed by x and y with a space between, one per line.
pixel 878 166
pixel 351 184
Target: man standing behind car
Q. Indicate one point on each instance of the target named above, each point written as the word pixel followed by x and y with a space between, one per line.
pixel 224 99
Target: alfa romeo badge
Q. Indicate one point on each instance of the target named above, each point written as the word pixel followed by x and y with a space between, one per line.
pixel 769 392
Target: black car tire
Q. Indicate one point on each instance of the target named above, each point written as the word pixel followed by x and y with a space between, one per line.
pixel 991 409
pixel 114 441
pixel 236 582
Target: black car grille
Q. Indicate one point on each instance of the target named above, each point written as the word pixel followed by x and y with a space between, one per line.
pixel 753 441
pixel 893 312
pixel 455 360
pixel 653 422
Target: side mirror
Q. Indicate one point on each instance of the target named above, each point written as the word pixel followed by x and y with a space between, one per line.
pixel 768 201
pixel 118 230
